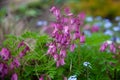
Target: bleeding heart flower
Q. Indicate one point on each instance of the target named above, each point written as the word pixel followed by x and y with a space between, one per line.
pixel 5 54
pixel 14 77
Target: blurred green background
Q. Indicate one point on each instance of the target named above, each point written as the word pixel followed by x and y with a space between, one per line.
pixel 16 16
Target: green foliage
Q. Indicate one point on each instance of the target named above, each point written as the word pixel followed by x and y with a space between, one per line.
pixel 96 39
pixel 36 62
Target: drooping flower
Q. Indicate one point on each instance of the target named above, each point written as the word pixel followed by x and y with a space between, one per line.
pixel 95 28
pixel 81 16
pixel 60 62
pixel 5 54
pixel 56 56
pixel 103 46
pixel 68 12
pixel 63 53
pixel 57 63
pixel 64 78
pixel 15 63
pixel 21 44
pixel 52 49
pixel 82 38
pixel 14 77
pixel 111 45
pixel 72 47
pixel 112 48
pixel 1 67
pixel 76 35
pixel 41 77
pixel 24 51
pixel 55 11
pixel 21 54
pixel 3 70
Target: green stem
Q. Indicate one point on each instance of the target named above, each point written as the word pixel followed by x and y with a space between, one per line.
pixel 115 71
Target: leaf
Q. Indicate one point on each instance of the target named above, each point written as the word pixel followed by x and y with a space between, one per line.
pixel 96 39
pixel 31 12
pixel 28 34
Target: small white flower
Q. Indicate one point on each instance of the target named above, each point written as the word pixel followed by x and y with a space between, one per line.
pixel 74 77
pixel 87 64
pixel 109 42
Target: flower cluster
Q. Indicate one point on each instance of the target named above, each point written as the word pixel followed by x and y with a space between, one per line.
pixel 6 57
pixel 66 31
pixel 109 44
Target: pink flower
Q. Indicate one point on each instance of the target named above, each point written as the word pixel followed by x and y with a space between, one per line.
pixel 72 21
pixel 72 47
pixel 103 46
pixel 64 27
pixel 5 54
pixel 55 11
pixel 95 29
pixel 26 49
pixel 52 49
pixel 1 67
pixel 67 11
pixel 41 77
pixel 66 30
pixel 23 52
pixel 3 70
pixel 64 20
pixel 15 63
pixel 57 63
pixel 76 35
pixel 82 38
pixel 112 48
pixel 56 56
pixel 21 44
pixel 81 16
pixel 65 78
pixel 14 77
pixel 64 40
pixel 63 53
pixel 62 62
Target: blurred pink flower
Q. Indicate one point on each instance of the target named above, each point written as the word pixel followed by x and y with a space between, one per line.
pixel 72 47
pixel 95 28
pixel 14 77
pixel 82 38
pixel 112 48
pixel 5 54
pixel 103 46
pixel 15 63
